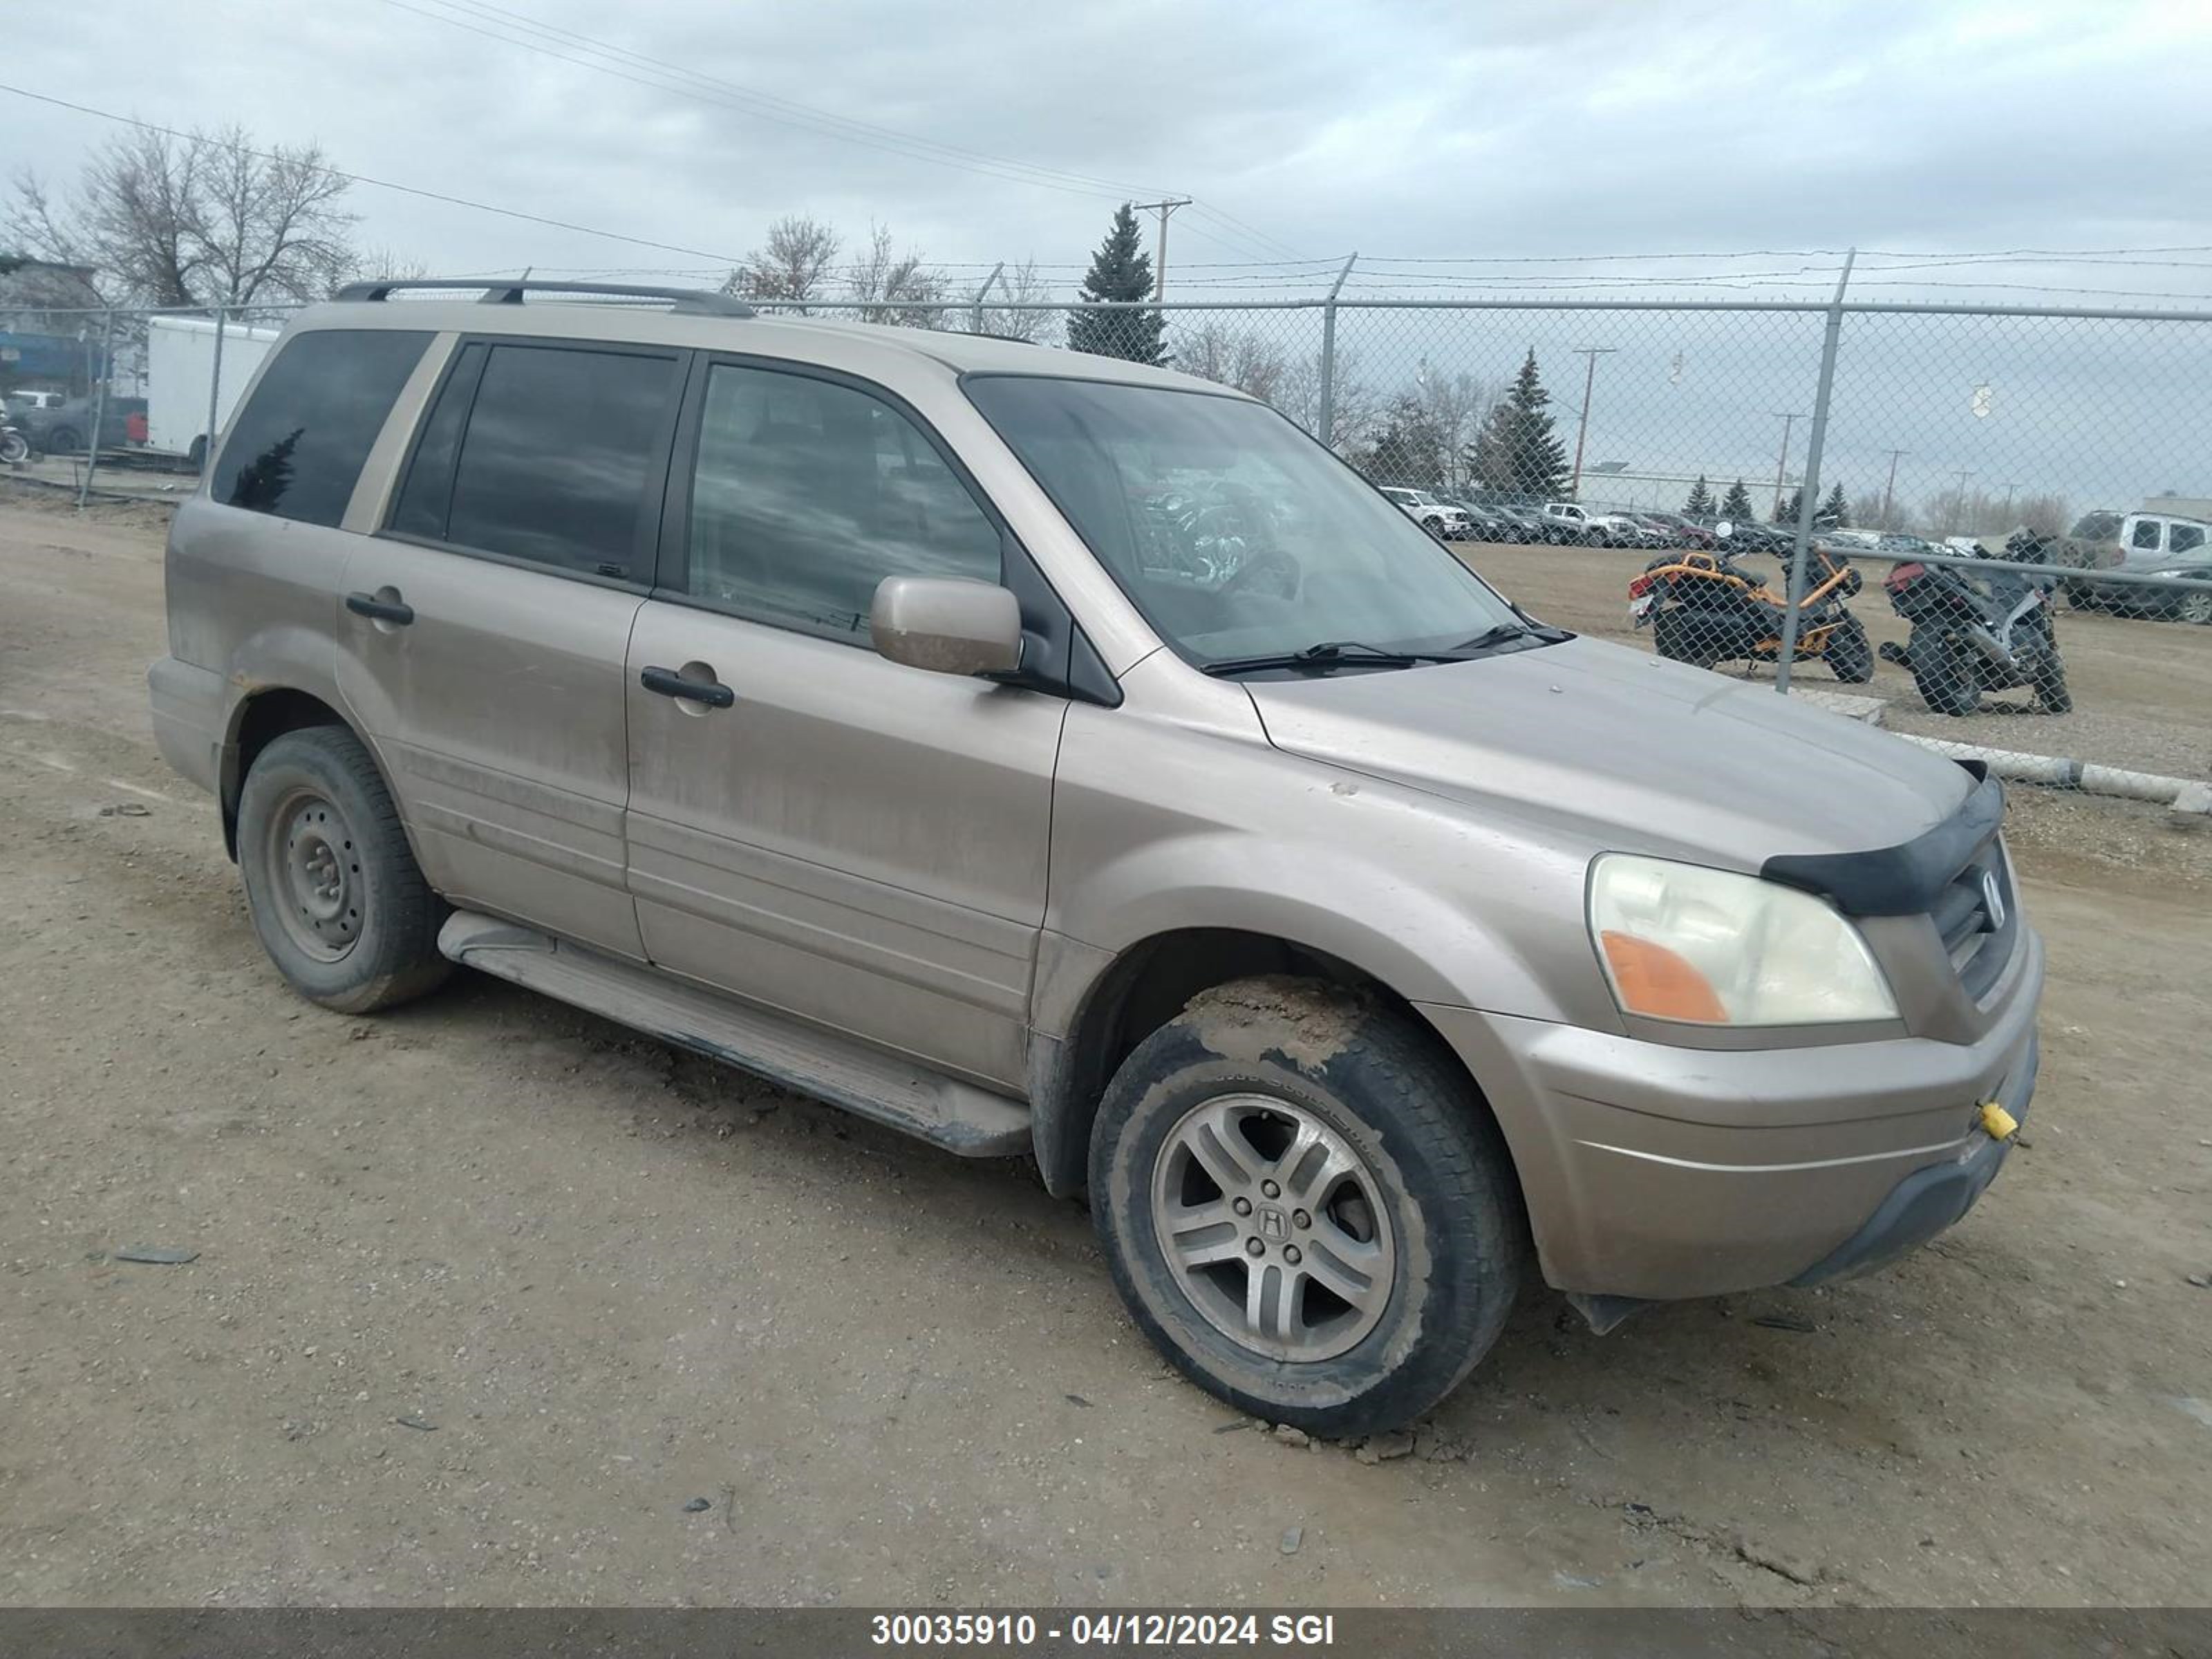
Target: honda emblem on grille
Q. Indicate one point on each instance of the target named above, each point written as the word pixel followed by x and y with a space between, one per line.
pixel 1993 904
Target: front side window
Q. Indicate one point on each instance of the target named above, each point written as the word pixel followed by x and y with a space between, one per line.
pixel 2187 538
pixel 298 446
pixel 558 461
pixel 808 492
pixel 1235 534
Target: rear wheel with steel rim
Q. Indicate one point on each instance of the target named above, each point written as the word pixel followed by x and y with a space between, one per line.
pixel 1306 1205
pixel 333 889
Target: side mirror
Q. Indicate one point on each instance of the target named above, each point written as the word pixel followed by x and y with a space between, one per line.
pixel 947 627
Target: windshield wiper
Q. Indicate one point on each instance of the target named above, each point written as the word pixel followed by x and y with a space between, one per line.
pixel 1505 633
pixel 1331 653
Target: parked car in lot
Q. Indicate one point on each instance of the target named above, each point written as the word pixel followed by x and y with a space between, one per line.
pixel 1440 519
pixel 1573 521
pixel 808 695
pixel 21 402
pixel 62 427
pixel 2152 544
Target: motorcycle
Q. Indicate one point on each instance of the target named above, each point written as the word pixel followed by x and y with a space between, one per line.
pixel 1974 631
pixel 1706 608
pixel 14 449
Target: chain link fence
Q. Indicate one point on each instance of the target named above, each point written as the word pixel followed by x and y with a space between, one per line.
pixel 1963 510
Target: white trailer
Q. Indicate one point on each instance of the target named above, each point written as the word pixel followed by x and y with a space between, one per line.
pixel 180 369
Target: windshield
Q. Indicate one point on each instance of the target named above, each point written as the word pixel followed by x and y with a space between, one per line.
pixel 1235 534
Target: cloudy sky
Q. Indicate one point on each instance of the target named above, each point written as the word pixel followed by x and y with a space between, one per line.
pixel 1495 131
pixel 1704 149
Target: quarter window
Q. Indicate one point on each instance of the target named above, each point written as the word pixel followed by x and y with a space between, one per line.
pixel 808 492
pixel 299 444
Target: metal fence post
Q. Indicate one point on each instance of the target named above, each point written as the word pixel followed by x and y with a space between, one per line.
pixel 99 410
pixel 214 397
pixel 975 313
pixel 1809 494
pixel 1327 414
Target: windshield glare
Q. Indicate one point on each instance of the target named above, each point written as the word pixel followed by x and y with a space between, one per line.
pixel 1232 532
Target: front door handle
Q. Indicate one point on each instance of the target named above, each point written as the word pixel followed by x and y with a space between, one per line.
pixel 392 610
pixel 669 683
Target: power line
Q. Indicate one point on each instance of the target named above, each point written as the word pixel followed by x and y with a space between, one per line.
pixel 723 259
pixel 497 23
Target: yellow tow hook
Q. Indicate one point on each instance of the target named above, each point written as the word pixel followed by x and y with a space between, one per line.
pixel 1998 1123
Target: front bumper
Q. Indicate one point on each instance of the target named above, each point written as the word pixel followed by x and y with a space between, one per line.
pixel 1660 1173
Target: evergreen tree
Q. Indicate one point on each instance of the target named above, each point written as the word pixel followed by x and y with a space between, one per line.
pixel 1736 504
pixel 1700 503
pixel 1836 511
pixel 1121 270
pixel 1786 512
pixel 1517 452
pixel 1411 449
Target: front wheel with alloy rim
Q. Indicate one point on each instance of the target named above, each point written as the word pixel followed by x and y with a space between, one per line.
pixel 333 889
pixel 1306 1206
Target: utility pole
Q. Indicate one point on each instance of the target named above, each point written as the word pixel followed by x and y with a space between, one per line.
pixel 1582 426
pixel 2007 506
pixel 1782 463
pixel 1160 253
pixel 1958 501
pixel 1889 488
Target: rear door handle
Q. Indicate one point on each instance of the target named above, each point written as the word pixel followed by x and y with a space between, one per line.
pixel 376 610
pixel 669 683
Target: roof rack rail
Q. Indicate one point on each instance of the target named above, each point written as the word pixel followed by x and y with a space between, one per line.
pixel 504 293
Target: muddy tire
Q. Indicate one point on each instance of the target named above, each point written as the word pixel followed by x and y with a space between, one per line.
pixel 1945 684
pixel 1685 636
pixel 1306 1206
pixel 2049 679
pixel 336 896
pixel 1851 657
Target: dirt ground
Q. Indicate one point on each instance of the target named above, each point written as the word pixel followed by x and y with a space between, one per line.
pixel 2142 689
pixel 488 1292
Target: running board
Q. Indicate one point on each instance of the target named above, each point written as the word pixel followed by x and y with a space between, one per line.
pixel 904 1094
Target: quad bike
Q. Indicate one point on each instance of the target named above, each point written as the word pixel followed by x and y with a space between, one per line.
pixel 1704 608
pixel 1974 632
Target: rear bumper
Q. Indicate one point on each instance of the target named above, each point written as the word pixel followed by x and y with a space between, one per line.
pixel 186 705
pixel 1660 1173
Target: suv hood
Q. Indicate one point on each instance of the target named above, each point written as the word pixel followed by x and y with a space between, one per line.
pixel 1645 754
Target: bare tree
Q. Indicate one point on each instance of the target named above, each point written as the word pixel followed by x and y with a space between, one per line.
pixel 792 263
pixel 1021 285
pixel 914 294
pixel 379 264
pixel 1241 357
pixel 267 225
pixel 196 221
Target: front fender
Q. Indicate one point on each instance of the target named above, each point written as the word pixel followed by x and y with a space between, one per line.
pixel 1159 827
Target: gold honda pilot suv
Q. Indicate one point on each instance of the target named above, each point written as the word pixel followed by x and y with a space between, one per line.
pixel 1046 755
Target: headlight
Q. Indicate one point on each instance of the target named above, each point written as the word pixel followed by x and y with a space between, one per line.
pixel 1680 942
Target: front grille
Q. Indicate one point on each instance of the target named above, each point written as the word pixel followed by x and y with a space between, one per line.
pixel 1978 934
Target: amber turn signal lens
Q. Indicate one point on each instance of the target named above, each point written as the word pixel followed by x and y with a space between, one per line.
pixel 1655 980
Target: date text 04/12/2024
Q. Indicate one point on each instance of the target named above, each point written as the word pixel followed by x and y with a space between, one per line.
pixel 1125 1629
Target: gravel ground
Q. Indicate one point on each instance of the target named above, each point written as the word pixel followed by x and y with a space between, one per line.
pixel 491 1295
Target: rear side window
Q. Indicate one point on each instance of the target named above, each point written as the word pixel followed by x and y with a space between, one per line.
pixel 297 447
pixel 2146 534
pixel 550 455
